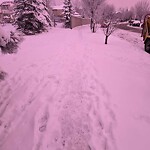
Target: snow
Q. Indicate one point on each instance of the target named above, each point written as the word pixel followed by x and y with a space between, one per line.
pixel 4 37
pixel 5 33
pixel 67 90
pixel 76 14
pixel 61 7
pixel 136 21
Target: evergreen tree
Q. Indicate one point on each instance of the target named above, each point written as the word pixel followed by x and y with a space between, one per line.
pixel 31 16
pixel 67 13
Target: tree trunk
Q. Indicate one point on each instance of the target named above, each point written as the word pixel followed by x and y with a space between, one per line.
pixel 92 19
pixel 91 23
pixel 93 27
pixel 106 39
pixel 54 23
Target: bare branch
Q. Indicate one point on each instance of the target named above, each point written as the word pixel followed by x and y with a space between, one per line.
pixel 141 9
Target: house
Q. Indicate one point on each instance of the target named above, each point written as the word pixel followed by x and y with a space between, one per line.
pixel 58 13
pixel 6 12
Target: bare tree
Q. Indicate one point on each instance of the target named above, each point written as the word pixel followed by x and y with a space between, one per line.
pixel 125 14
pixel 108 12
pixel 109 30
pixel 132 11
pixel 77 4
pixel 91 8
pixel 141 9
pixel 109 19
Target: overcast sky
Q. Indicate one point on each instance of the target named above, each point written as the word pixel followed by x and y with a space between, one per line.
pixel 123 3
pixel 116 3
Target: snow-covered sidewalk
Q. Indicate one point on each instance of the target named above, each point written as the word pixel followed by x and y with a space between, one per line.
pixel 67 90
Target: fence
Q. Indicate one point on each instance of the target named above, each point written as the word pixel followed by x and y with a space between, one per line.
pixel 79 21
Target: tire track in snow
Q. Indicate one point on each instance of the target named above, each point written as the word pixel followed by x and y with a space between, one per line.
pixel 34 75
pixel 25 94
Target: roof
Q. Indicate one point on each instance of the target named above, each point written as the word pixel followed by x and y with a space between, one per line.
pixel 58 7
pixel 7 3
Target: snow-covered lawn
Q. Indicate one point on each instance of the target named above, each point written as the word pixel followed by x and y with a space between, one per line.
pixel 67 90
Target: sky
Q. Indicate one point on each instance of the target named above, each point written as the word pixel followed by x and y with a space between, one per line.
pixel 116 3
pixel 123 4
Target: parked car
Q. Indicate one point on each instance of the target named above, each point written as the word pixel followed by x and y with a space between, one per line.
pixel 135 23
pixel 131 22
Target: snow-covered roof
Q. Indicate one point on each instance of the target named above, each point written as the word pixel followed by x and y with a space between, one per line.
pixel 58 7
pixel 7 3
pixel 77 14
pixel 136 21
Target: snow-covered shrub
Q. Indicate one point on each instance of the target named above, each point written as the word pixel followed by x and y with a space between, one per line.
pixel 2 75
pixel 31 16
pixel 9 41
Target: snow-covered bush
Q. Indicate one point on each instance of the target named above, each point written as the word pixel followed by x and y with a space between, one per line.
pixel 9 41
pixel 31 16
pixel 2 75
